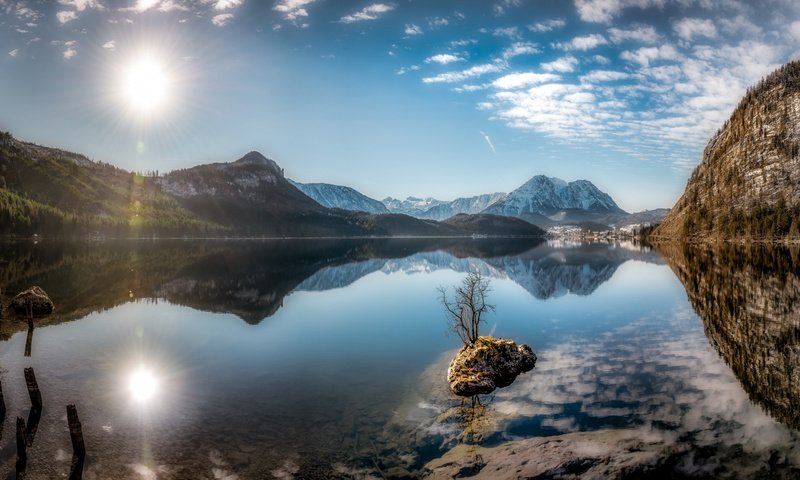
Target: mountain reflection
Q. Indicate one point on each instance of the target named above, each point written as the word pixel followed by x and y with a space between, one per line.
pixel 749 301
pixel 251 278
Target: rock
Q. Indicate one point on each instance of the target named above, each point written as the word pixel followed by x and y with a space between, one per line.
pixel 33 300
pixel 626 453
pixel 488 364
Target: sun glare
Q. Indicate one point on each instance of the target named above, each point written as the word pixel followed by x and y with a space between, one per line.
pixel 142 385
pixel 145 86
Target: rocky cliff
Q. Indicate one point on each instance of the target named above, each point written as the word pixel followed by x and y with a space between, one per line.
pixel 748 182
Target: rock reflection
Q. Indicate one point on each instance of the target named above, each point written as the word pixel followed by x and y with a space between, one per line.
pixel 749 300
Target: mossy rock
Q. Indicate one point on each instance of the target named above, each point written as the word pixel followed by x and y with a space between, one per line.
pixel 488 364
pixel 33 301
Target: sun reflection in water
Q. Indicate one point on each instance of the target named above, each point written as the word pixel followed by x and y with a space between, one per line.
pixel 142 385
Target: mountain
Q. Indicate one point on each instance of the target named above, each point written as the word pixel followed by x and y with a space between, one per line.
pixel 468 205
pixel 336 196
pixel 486 224
pixel 54 192
pixel 747 184
pixel 413 206
pixel 545 201
pixel 47 190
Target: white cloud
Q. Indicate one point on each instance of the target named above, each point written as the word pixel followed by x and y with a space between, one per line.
pixel 293 10
pixel 110 45
pixel 69 53
pixel 370 12
pixel 24 12
pixel 412 29
pixel 563 65
pixel 641 34
pixel 645 55
pixel 81 5
pixel 510 32
pixel 689 28
pixel 502 7
pixel 547 25
pixel 172 5
pixel 520 48
pixel 444 59
pixel 472 72
pixel 65 16
pixel 794 30
pixel 222 19
pixel 14 52
pixel 142 5
pixel 584 43
pixel 437 22
pixel 603 11
pixel 488 141
pixel 404 70
pixel 519 80
pixel 226 4
pixel 604 76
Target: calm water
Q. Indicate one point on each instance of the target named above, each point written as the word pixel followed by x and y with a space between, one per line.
pixel 239 360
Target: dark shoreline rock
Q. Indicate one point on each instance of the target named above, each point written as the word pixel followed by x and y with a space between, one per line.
pixel 32 301
pixel 487 364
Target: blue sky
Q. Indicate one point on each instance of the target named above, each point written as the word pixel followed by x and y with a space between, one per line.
pixel 426 98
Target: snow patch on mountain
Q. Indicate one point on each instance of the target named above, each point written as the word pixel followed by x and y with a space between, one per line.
pixel 337 196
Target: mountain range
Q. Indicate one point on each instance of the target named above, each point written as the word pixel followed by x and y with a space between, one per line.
pixel 54 192
pixel 543 201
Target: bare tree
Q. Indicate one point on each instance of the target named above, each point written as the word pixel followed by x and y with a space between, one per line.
pixel 465 310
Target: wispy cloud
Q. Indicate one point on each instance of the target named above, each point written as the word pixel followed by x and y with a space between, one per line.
pixel 460 76
pixel 69 52
pixel 547 25
pixel 110 45
pixel 584 43
pixel 488 141
pixel 81 5
pixel 520 48
pixel 563 65
pixel 444 59
pixel 412 29
pixel 222 19
pixel 293 10
pixel 641 34
pixel 65 16
pixel 525 79
pixel 370 12
pixel 603 11
pixel 689 28
pixel 14 52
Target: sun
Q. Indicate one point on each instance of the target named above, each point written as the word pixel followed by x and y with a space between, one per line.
pixel 142 385
pixel 145 86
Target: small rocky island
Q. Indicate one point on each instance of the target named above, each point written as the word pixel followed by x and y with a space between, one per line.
pixel 32 302
pixel 484 362
pixel 489 363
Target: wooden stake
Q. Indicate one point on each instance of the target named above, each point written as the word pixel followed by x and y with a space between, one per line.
pixel 22 452
pixel 2 404
pixel 33 389
pixel 78 447
pixel 29 338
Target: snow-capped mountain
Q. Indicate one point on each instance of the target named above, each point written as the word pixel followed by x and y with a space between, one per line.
pixel 469 205
pixel 550 196
pixel 337 196
pixel 413 206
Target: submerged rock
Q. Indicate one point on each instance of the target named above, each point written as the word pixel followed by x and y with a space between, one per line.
pixel 34 301
pixel 487 364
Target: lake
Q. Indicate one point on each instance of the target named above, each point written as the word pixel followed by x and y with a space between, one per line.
pixel 327 359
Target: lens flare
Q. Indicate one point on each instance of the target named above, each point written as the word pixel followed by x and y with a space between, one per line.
pixel 142 385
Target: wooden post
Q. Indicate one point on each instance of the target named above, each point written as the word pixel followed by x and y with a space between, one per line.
pixel 78 447
pixel 2 404
pixel 75 431
pixel 22 446
pixel 33 389
pixel 29 338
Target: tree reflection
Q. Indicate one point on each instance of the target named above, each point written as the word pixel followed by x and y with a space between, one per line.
pixel 749 300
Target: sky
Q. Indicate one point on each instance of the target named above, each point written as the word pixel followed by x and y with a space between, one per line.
pixel 405 97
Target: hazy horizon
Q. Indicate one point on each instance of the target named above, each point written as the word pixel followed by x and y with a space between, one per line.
pixel 397 98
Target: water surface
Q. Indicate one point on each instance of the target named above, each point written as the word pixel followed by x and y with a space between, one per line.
pixel 309 359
